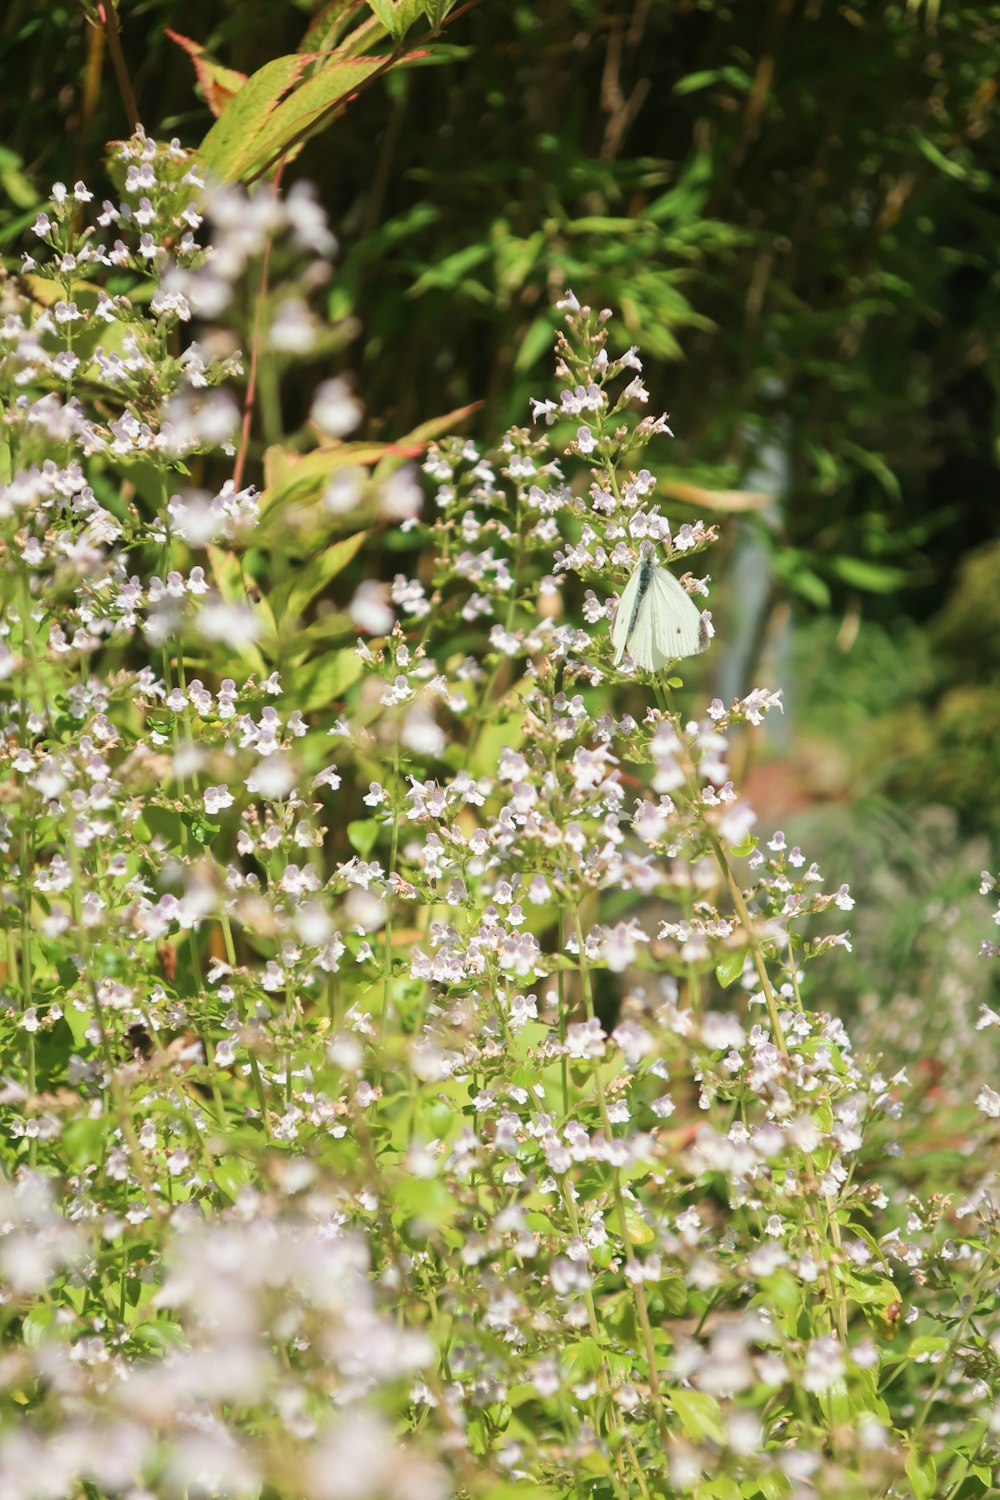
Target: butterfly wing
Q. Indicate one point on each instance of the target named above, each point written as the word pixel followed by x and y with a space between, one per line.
pixel 623 618
pixel 677 628
pixel 642 641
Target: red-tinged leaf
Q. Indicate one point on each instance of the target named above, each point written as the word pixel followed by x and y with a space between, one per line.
pixel 337 26
pixel 218 84
pixel 420 436
pixel 297 116
pixel 414 443
pixel 231 138
pixel 299 475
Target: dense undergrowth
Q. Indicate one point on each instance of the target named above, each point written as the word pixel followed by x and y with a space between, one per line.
pixel 417 1077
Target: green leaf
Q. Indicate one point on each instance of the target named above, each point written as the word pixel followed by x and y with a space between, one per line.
pixel 873 578
pixel 202 830
pixel 384 12
pixel 227 143
pixel 921 1471
pixel 699 1415
pixel 535 342
pixel 811 587
pixel 876 466
pixel 424 1205
pixel 672 1291
pixel 158 1337
pixel 583 1358
pixel 719 1487
pixel 16 186
pixel 509 1490
pixel 232 1173
pixel 639 1231
pixel 871 1294
pixel 227 571
pixel 293 598
pixel 296 117
pixel 937 158
pixel 770 1486
pixel 449 273
pixel 694 82
pixel 320 684
pixel 729 968
pixel 83 1141
pixel 362 835
pixel 929 1343
pixel 302 477
pixel 37 1323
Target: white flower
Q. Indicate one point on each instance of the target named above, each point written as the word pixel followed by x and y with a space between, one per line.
pixel 234 623
pixel 824 1365
pixel 336 411
pixel 216 798
pixel 988 1100
pixel 370 609
pixel 293 328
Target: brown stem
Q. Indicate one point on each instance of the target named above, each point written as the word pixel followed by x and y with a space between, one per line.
pixel 109 20
pixel 251 393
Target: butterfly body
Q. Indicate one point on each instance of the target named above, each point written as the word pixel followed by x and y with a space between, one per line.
pixel 657 620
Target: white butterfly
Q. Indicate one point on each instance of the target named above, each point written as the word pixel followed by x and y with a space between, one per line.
pixel 657 620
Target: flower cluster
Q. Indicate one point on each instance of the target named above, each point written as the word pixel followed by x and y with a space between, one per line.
pixel 412 1089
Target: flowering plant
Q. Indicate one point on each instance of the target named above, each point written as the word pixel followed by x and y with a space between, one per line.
pixel 410 1087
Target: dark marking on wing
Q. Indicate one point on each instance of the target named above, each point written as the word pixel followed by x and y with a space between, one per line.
pixel 645 575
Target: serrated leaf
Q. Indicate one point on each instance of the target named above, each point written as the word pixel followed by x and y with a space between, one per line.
pixel 327 29
pixel 292 120
pixel 227 143
pixel 218 84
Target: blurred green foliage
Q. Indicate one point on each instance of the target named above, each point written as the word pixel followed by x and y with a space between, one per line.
pixel 792 205
pixel 916 709
pixel 792 202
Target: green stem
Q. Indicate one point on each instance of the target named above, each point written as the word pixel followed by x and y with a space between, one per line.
pixel 387 948
pixel 258 1082
pixel 638 1294
pixel 121 1104
pixel 971 1298
pixel 592 1319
